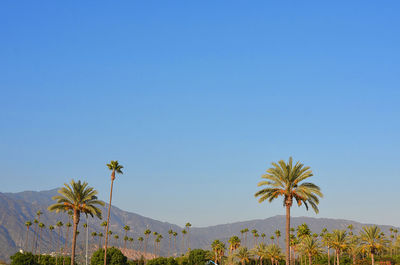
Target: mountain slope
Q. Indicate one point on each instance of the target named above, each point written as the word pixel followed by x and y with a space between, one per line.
pixel 17 208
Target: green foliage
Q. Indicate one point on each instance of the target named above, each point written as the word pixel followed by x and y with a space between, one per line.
pixel 197 257
pixel 162 261
pixel 23 259
pixel 114 257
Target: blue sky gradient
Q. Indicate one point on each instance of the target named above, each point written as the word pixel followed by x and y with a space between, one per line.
pixel 196 99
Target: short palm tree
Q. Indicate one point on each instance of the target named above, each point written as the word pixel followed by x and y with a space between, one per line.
pixel 285 179
pixel 28 224
pixel 278 235
pixel 372 241
pixel 218 248
pixel 243 255
pixel 339 242
pixel 234 243
pixel 274 253
pixel 327 242
pixel 353 248
pixel 115 167
pixel 310 246
pixel 79 198
pixel 260 251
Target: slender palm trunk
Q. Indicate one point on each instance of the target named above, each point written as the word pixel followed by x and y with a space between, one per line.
pixel 329 259
pixel 58 244
pixel 372 259
pixel 183 244
pixel 169 245
pixel 108 218
pixel 26 238
pixel 76 222
pixel 39 239
pixel 287 233
pixel 337 257
pixel 309 259
pixel 65 247
pixel 34 237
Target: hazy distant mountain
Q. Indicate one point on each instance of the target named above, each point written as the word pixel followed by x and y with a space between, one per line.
pixel 17 208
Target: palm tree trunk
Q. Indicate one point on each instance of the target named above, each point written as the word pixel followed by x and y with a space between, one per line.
pixel 337 258
pixel 26 238
pixel 76 222
pixel 108 219
pixel 309 259
pixel 372 259
pixel 329 259
pixel 287 233
pixel 58 244
pixel 34 237
pixel 39 239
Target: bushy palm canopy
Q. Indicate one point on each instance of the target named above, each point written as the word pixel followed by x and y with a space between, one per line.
pixel 77 197
pixel 115 167
pixel 285 179
pixel 339 240
pixel 310 246
pixel 243 254
pixel 372 240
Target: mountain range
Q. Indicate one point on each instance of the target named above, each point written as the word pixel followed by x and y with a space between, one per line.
pixel 17 208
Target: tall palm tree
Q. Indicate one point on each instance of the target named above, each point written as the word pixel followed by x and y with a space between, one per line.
pixel 41 227
pixel 327 242
pixel 147 233
pixel 263 235
pixel 278 235
pixel 130 239
pixel 285 179
pixel 100 235
pixel 116 237
pixel 126 229
pixel 353 248
pixel 38 213
pixel 310 246
pixel 170 232
pixel 243 255
pixel 94 234
pixel 59 224
pixel 28 224
pixel 115 167
pixel 51 228
pixel 274 253
pixel 254 232
pixel 140 239
pixel 79 198
pixel 372 241
pixel 36 222
pixel 339 242
pixel 234 243
pixel 154 243
pixel 246 230
pixel 184 232
pixel 175 234
pixel 188 225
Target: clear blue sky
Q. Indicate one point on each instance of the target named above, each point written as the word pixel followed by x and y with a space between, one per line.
pixel 196 98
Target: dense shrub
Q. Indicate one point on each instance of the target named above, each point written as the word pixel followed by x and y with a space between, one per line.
pixel 114 257
pixel 23 259
pixel 162 261
pixel 197 257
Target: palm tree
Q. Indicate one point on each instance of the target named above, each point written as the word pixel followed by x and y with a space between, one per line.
pixel 272 239
pixel 284 179
pixel 147 233
pixel 51 228
pixel 140 239
pixel 184 232
pixel 126 228
pixel 79 198
pixel 254 232
pixel 219 249
pixel 36 222
pixel 234 243
pixel 41 226
pixel 339 242
pixel 28 224
pixel 154 243
pixel 243 255
pixel 68 225
pixel 353 248
pixel 326 240
pixel 260 251
pixel 278 235
pixel 131 240
pixel 274 253
pixel 94 234
pixel 246 230
pixel 372 241
pixel 311 247
pixel 100 235
pixel 116 237
pixel 109 233
pixel 188 225
pixel 170 232
pixel 175 234
pixel 38 213
pixel 115 168
pixel 59 224
pixel 263 235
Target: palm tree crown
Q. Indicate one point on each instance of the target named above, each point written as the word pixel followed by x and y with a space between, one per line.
pixel 79 198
